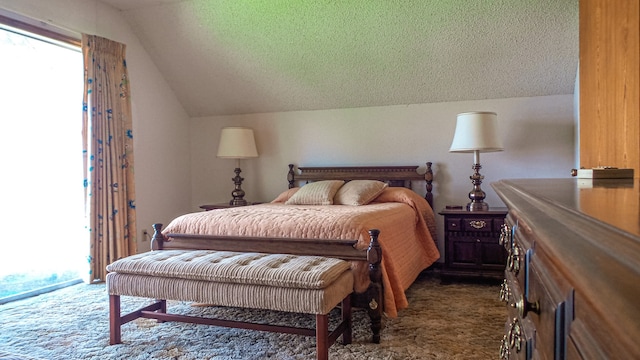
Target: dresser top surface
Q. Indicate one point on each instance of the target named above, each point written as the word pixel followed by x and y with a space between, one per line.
pixel 612 201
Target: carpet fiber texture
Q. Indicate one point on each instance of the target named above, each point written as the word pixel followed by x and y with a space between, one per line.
pixel 455 321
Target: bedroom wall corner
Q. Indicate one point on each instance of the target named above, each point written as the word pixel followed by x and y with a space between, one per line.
pixel 161 125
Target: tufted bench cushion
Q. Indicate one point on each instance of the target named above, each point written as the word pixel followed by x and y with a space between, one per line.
pixel 304 284
pixel 291 271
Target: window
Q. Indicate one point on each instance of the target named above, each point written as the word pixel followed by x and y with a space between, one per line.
pixel 43 242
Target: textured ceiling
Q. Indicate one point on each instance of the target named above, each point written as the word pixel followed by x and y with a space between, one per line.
pixel 236 57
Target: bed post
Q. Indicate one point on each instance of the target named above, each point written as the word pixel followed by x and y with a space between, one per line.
pixel 291 176
pixel 428 177
pixel 375 305
pixel 157 237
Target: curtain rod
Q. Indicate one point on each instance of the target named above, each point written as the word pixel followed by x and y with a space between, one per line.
pixel 70 40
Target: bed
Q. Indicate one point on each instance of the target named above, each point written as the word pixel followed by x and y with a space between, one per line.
pixel 329 211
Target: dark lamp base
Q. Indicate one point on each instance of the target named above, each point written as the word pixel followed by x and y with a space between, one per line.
pixel 238 193
pixel 238 202
pixel 477 206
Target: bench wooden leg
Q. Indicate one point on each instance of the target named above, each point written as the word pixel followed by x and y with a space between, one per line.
pixel 322 337
pixel 115 322
pixel 163 308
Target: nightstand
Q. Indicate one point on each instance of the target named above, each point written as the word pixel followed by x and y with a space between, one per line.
pixel 471 244
pixel 224 206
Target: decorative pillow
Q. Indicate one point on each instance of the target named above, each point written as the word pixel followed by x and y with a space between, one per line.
pixel 285 195
pixel 316 193
pixel 359 192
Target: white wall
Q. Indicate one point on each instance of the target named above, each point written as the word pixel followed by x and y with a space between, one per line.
pixel 538 136
pixel 161 126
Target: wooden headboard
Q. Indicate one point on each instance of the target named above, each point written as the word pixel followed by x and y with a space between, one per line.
pixel 400 176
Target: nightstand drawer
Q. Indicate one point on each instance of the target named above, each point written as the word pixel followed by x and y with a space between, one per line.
pixel 481 251
pixel 453 224
pixel 477 224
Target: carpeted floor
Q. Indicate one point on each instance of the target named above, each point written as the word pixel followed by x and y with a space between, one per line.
pixel 455 321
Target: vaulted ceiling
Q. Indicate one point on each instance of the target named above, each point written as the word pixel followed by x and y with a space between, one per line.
pixel 248 56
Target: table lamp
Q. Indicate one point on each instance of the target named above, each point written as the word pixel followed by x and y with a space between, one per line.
pixel 476 132
pixel 237 143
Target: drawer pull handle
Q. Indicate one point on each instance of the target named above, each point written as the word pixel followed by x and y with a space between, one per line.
pixel 477 224
pixel 514 259
pixel 514 335
pixel 505 234
pixel 505 292
pixel 505 351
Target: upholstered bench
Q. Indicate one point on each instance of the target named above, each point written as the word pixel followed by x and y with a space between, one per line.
pixel 292 283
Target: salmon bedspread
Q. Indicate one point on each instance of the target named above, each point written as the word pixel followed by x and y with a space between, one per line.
pixel 405 220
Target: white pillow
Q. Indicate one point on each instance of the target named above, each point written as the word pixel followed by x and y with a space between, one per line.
pixel 316 193
pixel 359 192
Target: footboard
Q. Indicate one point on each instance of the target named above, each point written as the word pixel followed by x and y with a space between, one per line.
pixel 371 299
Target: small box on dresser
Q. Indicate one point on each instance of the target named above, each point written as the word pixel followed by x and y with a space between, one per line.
pixel 471 242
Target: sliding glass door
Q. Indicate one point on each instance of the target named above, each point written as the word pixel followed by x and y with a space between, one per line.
pixel 42 237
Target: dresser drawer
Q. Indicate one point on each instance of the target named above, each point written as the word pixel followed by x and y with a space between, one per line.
pixel 550 305
pixel 519 337
pixel 518 341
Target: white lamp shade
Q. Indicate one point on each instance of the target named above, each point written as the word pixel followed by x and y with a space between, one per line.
pixel 476 131
pixel 237 143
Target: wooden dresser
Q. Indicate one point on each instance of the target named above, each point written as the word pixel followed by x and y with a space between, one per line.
pixel 572 280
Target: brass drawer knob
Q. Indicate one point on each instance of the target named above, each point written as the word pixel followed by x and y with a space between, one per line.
pixel 523 306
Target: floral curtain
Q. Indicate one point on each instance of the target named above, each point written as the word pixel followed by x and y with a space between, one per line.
pixel 108 154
